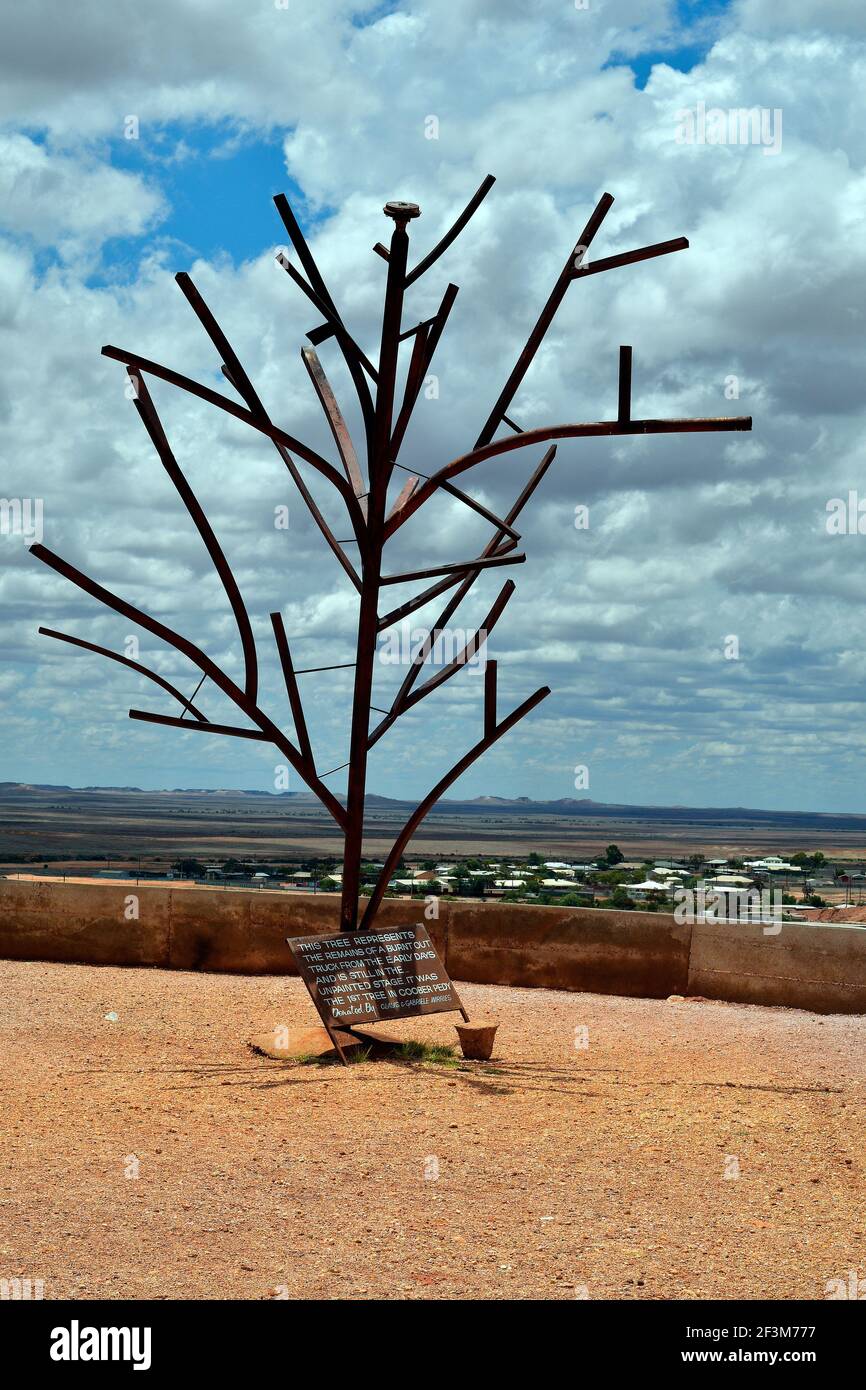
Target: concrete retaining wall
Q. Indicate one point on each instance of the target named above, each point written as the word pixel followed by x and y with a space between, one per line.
pixel 630 953
pixel 76 922
pixel 822 968
pixel 606 952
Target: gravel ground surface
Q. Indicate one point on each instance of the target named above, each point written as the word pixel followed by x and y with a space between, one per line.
pixel 553 1171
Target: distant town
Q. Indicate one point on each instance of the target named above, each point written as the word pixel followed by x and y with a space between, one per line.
pixel 568 854
pixel 801 882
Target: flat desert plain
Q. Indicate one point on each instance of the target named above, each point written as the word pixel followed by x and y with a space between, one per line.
pixel 125 825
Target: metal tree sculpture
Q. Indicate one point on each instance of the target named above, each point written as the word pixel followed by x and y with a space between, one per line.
pixel 373 522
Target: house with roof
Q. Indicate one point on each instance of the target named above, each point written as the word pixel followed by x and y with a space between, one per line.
pixel 507 885
pixel 649 885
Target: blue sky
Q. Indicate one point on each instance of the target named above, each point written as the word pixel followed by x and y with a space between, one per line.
pixel 696 26
pixel 218 195
pixel 218 177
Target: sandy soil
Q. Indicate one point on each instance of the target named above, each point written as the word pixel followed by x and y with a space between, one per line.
pixel 549 1171
pixel 836 915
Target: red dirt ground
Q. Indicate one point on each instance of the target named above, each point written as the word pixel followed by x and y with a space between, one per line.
pixel 563 1172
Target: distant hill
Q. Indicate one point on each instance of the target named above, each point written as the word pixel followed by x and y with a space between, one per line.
pixel 573 808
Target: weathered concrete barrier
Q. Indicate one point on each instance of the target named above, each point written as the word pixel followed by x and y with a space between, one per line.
pixel 78 922
pixel 822 968
pixel 605 952
pixel 215 929
pixel 647 954
pixel 116 923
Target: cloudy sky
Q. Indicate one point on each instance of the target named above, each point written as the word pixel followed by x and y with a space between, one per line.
pixel 138 140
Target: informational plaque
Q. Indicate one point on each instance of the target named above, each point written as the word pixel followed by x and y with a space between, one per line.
pixel 371 976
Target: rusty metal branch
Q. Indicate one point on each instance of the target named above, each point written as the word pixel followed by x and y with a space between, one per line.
pixel 292 690
pixel 230 729
pixel 454 231
pixel 262 424
pixel 644 253
pixel 479 507
pixel 489 698
pixel 458 567
pixel 406 697
pixel 420 600
pixel 333 327
pixel 204 663
pixel 403 496
pixel 584 430
pixel 317 516
pixel 496 545
pixel 315 285
pixel 545 319
pixel 468 650
pixel 334 416
pixel 423 349
pixel 152 423
pixel 438 791
pixel 133 665
pixel 232 367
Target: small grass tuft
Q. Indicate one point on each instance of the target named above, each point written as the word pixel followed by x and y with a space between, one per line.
pixel 353 1056
pixel 429 1054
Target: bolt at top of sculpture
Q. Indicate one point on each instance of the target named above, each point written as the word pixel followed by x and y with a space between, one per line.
pixel 373 522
